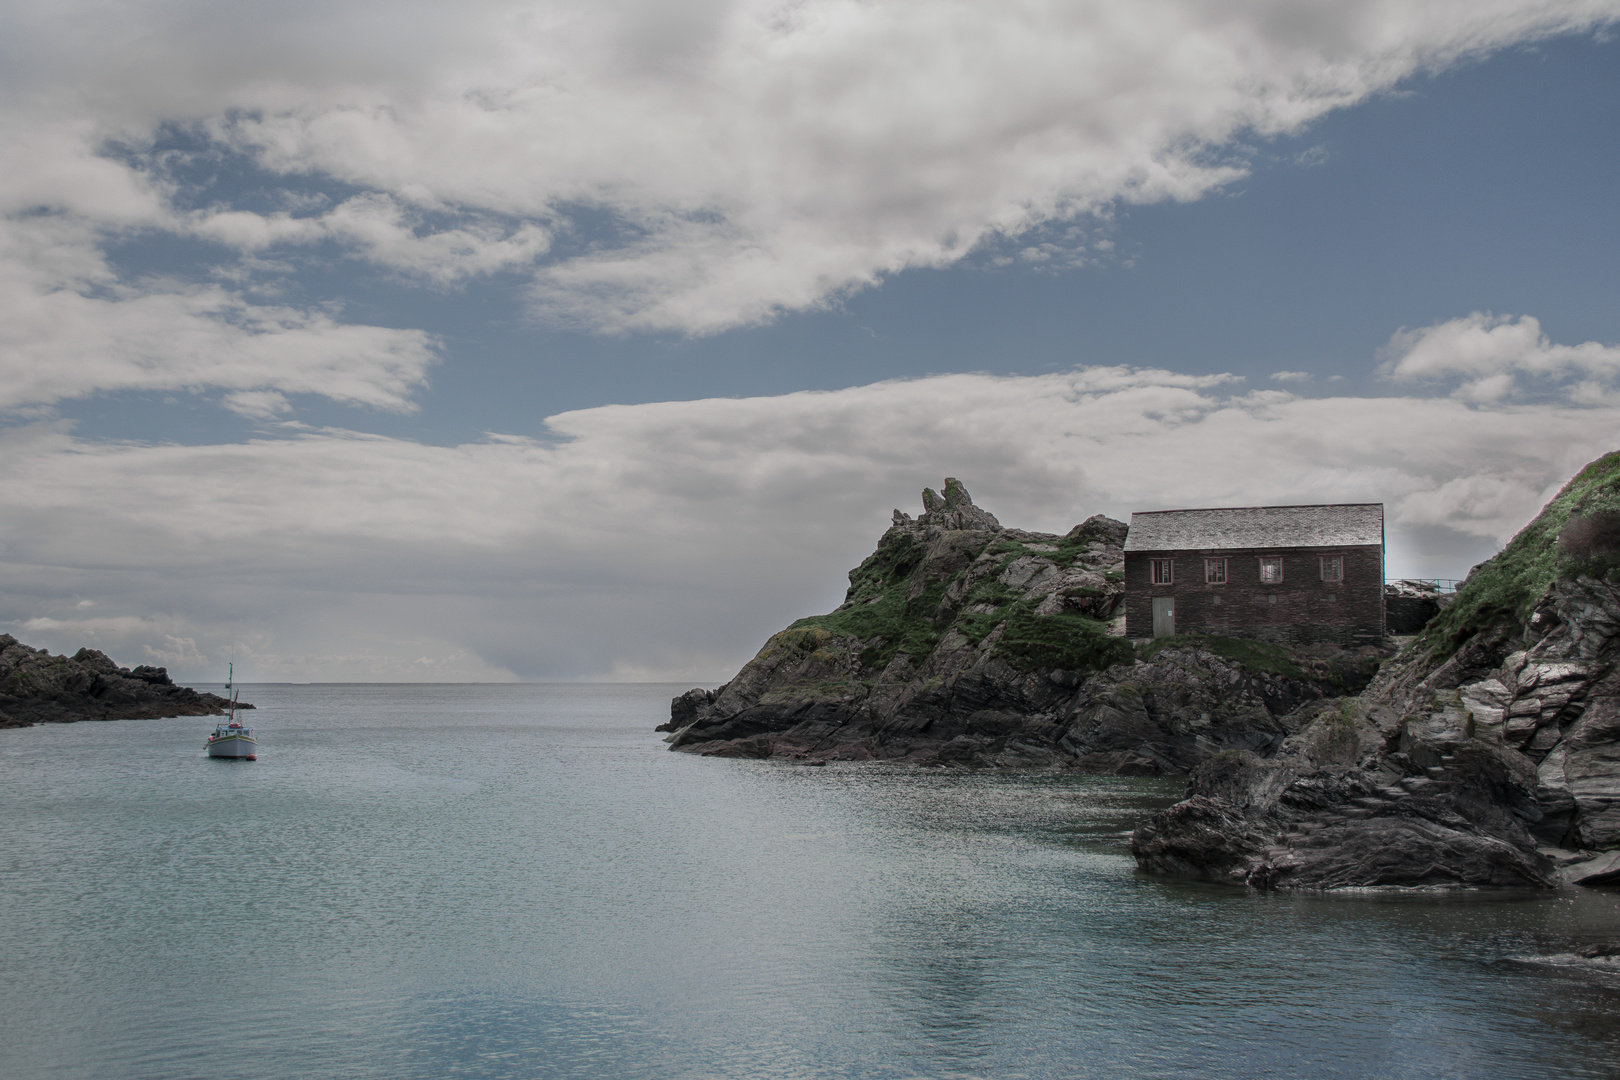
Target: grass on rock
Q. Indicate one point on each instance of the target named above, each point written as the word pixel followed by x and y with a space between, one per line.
pixel 1508 586
pixel 1255 657
pixel 880 612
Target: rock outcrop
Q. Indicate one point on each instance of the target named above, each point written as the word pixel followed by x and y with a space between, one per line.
pixel 1410 604
pixel 38 688
pixel 1487 754
pixel 962 642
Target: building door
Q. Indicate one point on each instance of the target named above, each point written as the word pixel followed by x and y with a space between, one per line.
pixel 1164 616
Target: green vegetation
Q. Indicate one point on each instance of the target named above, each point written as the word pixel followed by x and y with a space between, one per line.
pixel 1066 640
pixel 809 639
pixel 894 561
pixel 827 690
pixel 1348 716
pixel 1508 586
pixel 1335 734
pixel 888 623
pixel 878 612
pixel 1255 657
pixel 1068 549
pixel 976 625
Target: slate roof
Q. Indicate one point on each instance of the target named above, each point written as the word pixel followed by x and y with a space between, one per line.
pixel 1333 525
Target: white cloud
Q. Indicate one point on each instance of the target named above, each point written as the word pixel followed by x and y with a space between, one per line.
pixel 1292 376
pixel 71 326
pixel 671 538
pixel 712 163
pixel 387 232
pixel 175 652
pixel 58 343
pixel 1492 358
pixel 258 404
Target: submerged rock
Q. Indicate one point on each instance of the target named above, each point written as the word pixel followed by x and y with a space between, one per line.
pixel 38 688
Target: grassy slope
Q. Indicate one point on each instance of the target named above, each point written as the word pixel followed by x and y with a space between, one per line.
pixel 1257 657
pixel 887 622
pixel 1510 583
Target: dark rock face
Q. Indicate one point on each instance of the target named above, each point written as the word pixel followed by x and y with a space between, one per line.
pixel 1487 756
pixel 961 642
pixel 1199 837
pixel 1359 798
pixel 38 688
pixel 1409 605
pixel 1437 776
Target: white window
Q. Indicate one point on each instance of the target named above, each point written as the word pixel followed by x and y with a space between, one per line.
pixel 1333 568
pixel 1215 571
pixel 1164 571
pixel 1271 570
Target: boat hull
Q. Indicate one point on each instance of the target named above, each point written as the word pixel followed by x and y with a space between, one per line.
pixel 242 747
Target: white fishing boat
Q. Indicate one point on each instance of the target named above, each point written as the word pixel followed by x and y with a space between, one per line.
pixel 231 739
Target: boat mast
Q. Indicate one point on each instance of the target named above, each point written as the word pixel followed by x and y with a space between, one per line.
pixel 230 691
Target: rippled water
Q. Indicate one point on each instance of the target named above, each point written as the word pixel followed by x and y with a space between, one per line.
pixel 520 881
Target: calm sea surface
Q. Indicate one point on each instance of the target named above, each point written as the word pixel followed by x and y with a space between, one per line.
pixel 521 881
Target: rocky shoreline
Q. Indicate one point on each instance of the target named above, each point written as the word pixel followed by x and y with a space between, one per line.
pixel 962 642
pixel 38 688
pixel 1485 754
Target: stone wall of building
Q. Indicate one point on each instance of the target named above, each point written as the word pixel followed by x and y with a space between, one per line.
pixel 1300 609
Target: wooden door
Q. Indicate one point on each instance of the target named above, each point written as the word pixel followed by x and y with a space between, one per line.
pixel 1164 616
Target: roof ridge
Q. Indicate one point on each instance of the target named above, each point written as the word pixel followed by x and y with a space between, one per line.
pixel 1272 506
pixel 1237 527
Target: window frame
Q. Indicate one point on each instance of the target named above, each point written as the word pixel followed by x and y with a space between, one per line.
pixel 1169 571
pixel 1339 561
pixel 1264 559
pixel 1209 568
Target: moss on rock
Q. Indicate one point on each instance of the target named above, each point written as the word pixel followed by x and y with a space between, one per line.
pixel 1065 641
pixel 1255 657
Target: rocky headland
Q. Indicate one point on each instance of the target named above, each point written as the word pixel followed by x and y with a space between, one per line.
pixel 1485 753
pixel 963 642
pixel 38 688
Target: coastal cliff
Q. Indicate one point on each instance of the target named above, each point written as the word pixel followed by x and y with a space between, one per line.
pixel 38 688
pixel 1486 753
pixel 963 642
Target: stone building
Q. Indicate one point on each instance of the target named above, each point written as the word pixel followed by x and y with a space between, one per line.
pixel 1295 574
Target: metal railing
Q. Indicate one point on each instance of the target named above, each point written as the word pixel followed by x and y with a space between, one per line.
pixel 1440 585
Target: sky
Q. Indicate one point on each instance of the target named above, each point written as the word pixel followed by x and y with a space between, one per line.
pixel 558 341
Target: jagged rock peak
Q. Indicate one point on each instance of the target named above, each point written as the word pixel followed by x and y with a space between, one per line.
pixel 1102 528
pixel 953 510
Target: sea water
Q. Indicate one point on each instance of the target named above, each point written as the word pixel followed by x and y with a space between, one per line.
pixel 521 881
